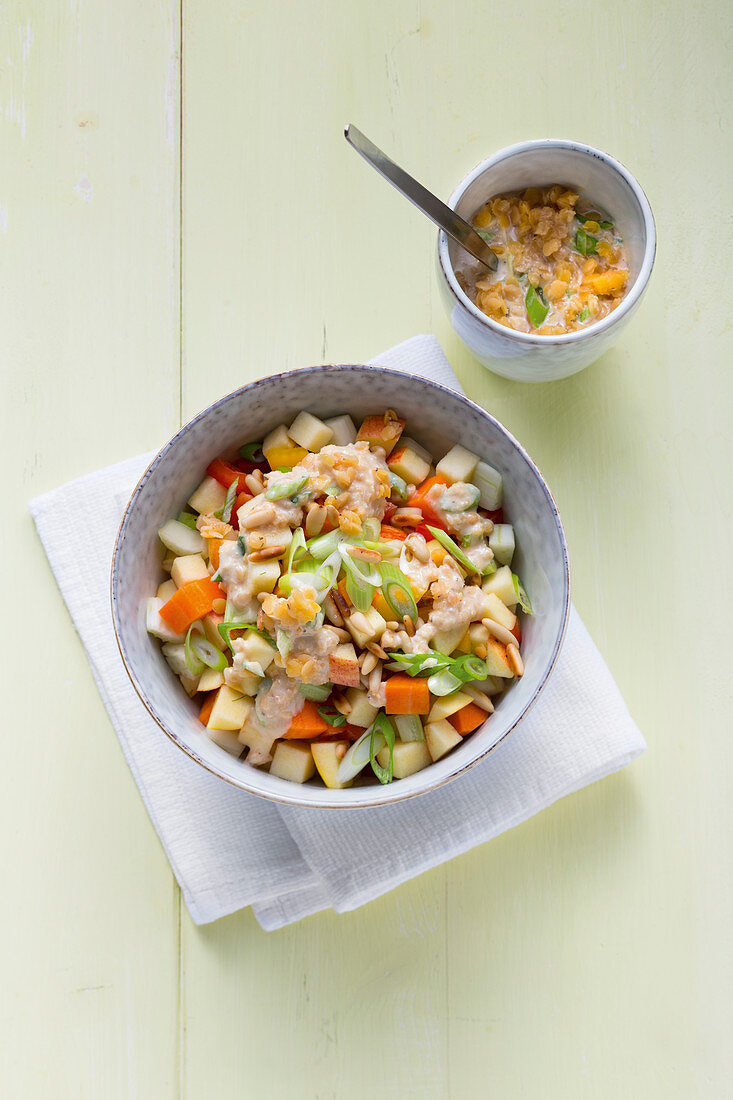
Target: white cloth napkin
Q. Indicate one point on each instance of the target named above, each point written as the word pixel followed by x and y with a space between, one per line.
pixel 229 849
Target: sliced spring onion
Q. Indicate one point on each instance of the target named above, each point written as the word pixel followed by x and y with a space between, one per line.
pixel 360 594
pixel 583 218
pixel 225 512
pixel 397 591
pixel 284 642
pixel 297 548
pixel 189 519
pixel 485 234
pixel 318 692
pixel 208 653
pixel 490 484
pixel 454 549
pixel 501 541
pixel 584 314
pixel 443 683
pixel 367 573
pixel 419 664
pixel 399 486
pixel 194 664
pixel 288 487
pixel 447 502
pixel 359 755
pixel 409 727
pixel 242 545
pixel 322 546
pixel 332 716
pixel 537 307
pixel 383 726
pixel 468 667
pixel 226 628
pixel 252 452
pixel 521 594
pixel 370 528
pixel 585 243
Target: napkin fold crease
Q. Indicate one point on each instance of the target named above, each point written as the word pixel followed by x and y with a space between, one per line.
pixel 229 849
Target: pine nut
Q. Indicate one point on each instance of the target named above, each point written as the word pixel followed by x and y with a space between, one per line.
pixel 375 679
pixel 515 660
pixel 342 635
pixel 258 517
pixel 332 515
pixel 340 752
pixel 419 547
pixel 363 554
pixel 406 517
pixel 392 625
pixel 360 622
pixel 369 662
pixel 332 612
pixel 377 651
pixel 315 520
pixel 219 607
pixel 342 705
pixel 255 485
pixel 341 603
pixel 267 554
pixel 479 698
pixel 408 625
pixel 256 541
pixel 500 632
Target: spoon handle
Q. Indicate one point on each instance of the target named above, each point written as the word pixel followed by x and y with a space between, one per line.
pixel 447 219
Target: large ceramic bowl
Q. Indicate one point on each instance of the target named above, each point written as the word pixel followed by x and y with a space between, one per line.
pixel 438 417
pixel 524 356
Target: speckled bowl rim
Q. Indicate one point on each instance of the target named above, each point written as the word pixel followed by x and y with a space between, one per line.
pixel 640 282
pixel 296 799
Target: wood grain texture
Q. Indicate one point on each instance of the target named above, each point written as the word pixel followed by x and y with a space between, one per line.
pixel 586 953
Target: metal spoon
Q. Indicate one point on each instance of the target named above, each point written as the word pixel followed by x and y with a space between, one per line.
pixel 447 219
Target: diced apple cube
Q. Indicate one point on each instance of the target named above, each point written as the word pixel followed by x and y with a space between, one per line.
pixel 247 683
pixel 253 647
pixel 229 711
pixel 258 742
pixel 367 626
pixel 343 666
pixel 327 756
pixel 188 567
pixel 457 465
pixel 420 451
pixel 180 539
pixel 465 645
pixel 380 432
pixel 157 626
pixel 445 641
pixel 440 737
pixel 445 705
pixel 210 679
pixel 501 584
pixel 495 609
pixel 478 635
pixel 190 683
pixel 492 685
pixel 278 437
pixel 501 541
pixel 263 575
pixel 407 757
pixel 496 659
pixel 362 712
pixel 408 465
pixel 166 590
pixel 209 497
pixel 211 630
pixel 175 655
pixel 344 430
pixel 293 761
pixel 227 740
pixel 310 432
pixel 490 484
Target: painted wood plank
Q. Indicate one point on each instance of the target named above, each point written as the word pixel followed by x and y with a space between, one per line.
pixel 89 203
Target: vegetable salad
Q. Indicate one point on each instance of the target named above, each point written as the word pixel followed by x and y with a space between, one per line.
pixel 342 609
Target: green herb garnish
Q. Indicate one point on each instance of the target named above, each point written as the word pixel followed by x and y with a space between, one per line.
pixel 225 629
pixel 583 218
pixel 188 519
pixel 521 594
pixel 225 512
pixel 585 243
pixel 454 549
pixel 584 314
pixel 537 307
pixel 332 716
pixel 318 692
pixel 288 488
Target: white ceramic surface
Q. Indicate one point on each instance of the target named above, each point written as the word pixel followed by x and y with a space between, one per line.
pixel 521 356
pixel 437 417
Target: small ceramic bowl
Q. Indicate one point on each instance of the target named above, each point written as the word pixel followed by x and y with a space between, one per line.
pixel 437 417
pixel 522 356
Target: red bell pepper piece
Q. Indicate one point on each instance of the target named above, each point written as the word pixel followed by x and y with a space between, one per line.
pixel 224 472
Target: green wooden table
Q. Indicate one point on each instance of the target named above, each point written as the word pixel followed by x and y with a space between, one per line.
pixel 179 214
